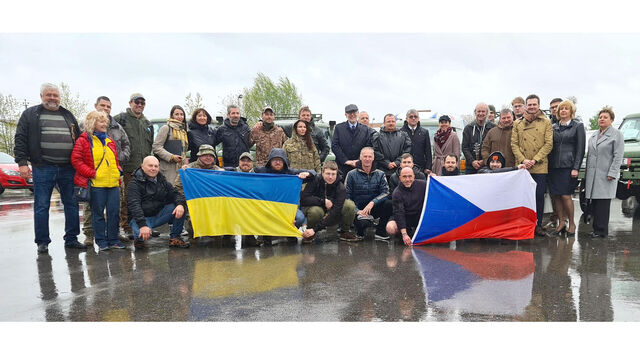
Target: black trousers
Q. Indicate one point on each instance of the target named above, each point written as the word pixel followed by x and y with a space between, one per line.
pixel 600 209
pixel 381 210
pixel 541 181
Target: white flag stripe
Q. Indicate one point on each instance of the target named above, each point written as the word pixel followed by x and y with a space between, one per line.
pixel 494 192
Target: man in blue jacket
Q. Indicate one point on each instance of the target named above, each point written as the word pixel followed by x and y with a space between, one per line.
pixel 349 138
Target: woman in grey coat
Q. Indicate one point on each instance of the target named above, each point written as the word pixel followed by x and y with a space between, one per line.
pixel 604 156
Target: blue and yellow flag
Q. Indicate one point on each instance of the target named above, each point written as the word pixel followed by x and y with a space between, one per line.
pixel 235 203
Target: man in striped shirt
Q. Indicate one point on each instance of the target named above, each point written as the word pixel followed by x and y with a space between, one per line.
pixel 45 136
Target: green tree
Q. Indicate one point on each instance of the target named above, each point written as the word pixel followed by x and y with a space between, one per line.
pixel 191 103
pixel 9 115
pixel 593 122
pixel 282 96
pixel 78 108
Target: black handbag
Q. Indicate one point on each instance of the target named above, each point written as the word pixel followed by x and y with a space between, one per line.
pixel 83 194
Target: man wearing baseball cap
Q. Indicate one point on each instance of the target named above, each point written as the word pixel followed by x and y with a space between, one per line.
pixel 245 163
pixel 266 135
pixel 349 138
pixel 140 133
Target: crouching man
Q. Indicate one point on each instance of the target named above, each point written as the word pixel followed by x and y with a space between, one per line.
pixel 152 201
pixel 408 199
pixel 324 204
pixel 206 160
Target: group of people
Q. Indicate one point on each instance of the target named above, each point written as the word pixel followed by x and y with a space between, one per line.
pixel 378 180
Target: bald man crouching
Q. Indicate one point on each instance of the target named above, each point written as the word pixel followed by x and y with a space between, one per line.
pixel 153 201
pixel 408 199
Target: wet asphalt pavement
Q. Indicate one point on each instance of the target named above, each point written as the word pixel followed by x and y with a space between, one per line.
pixel 550 279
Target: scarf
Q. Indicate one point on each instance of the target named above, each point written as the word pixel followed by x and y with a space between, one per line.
pixel 267 126
pixel 530 117
pixel 178 131
pixel 441 137
pixel 102 136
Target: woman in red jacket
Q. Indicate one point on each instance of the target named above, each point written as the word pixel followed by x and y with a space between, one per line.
pixel 95 159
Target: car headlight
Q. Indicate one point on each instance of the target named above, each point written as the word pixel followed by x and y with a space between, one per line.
pixel 10 172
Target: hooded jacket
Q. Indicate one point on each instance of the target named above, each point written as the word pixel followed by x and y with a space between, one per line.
pixel 146 197
pixel 234 139
pixel 408 201
pixel 388 147
pixel 280 153
pixel 420 145
pixel 299 154
pixel 487 169
pixel 363 188
pixel 315 193
pixel 200 135
pixel 28 134
pixel 534 141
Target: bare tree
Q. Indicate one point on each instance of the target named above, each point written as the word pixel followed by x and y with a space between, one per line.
pixel 191 103
pixel 9 115
pixel 78 108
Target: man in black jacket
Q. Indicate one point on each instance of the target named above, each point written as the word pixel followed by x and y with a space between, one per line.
pixel 408 199
pixel 152 202
pixel 349 138
pixel 319 140
pixel 234 136
pixel 472 137
pixel 324 203
pixel 407 161
pixel 45 136
pixel 389 144
pixel 420 141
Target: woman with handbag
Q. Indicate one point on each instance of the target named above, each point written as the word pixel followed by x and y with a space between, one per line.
pixel 98 170
pixel 171 144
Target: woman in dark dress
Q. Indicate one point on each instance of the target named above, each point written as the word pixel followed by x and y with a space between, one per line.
pixel 564 163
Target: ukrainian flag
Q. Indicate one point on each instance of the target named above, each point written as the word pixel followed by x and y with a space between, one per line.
pixel 235 203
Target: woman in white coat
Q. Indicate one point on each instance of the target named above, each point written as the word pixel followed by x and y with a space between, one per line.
pixel 604 156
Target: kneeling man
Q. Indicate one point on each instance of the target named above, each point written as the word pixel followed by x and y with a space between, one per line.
pixel 408 199
pixel 153 201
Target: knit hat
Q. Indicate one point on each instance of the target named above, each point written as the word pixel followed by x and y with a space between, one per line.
pixel 497 155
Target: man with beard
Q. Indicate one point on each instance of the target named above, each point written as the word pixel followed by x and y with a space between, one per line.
pixel 499 139
pixel 45 136
pixel 531 142
pixel 266 135
pixel 472 137
pixel 234 136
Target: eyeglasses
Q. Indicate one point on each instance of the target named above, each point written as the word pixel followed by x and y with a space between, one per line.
pixel 412 117
pixel 139 102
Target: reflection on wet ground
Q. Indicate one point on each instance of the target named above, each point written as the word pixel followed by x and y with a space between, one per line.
pixel 552 279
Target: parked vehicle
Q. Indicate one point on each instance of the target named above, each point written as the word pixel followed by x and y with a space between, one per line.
pixel 10 175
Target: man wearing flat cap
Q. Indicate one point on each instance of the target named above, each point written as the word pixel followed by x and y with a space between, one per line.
pixel 349 138
pixel 206 160
pixel 140 133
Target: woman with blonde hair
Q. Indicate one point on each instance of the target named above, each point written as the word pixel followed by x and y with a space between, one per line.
pixel 564 163
pixel 95 159
pixel 171 144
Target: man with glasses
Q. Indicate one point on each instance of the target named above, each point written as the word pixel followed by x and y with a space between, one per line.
pixel 349 138
pixel 420 141
pixel 553 106
pixel 518 108
pixel 140 133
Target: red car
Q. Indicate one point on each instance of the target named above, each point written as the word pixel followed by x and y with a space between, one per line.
pixel 10 175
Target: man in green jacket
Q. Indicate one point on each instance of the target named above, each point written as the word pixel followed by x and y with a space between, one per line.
pixel 140 133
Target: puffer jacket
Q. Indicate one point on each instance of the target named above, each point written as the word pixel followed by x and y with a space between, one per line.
pixel 300 157
pixel 498 139
pixel 408 201
pixel 388 147
pixel 363 188
pixel 277 152
pixel 266 140
pixel 235 141
pixel 534 141
pixel 140 135
pixel 315 193
pixel 200 135
pixel 420 146
pixel 146 197
pixel 320 141
pixel 82 159
pixel 568 145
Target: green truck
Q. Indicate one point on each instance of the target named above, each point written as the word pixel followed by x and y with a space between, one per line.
pixel 629 181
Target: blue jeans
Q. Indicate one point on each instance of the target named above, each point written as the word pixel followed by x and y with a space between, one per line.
pixel 300 218
pixel 45 178
pixel 165 216
pixel 108 198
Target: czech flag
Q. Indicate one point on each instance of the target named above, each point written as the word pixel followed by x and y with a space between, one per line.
pixel 468 282
pixel 235 203
pixel 499 206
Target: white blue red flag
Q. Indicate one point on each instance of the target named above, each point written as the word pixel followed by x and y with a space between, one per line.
pixel 500 206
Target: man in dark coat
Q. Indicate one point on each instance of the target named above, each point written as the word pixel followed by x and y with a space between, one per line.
pixel 234 136
pixel 349 138
pixel 408 199
pixel 472 137
pixel 389 144
pixel 407 161
pixel 152 202
pixel 420 141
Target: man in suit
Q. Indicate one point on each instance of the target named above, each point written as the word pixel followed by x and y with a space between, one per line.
pixel 349 138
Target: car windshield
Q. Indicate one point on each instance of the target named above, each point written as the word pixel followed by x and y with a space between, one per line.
pixel 6 159
pixel 630 128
